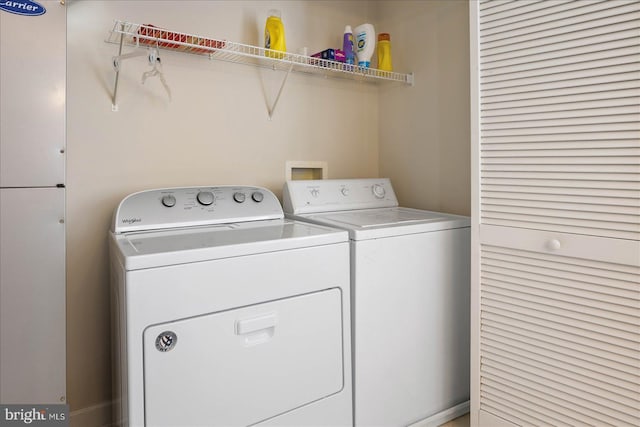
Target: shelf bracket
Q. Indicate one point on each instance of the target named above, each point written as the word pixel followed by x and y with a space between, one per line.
pixel 114 103
pixel 271 109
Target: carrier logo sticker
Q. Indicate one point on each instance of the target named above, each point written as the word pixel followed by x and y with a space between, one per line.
pixel 23 7
pixel 166 341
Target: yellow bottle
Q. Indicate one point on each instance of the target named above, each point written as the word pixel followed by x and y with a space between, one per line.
pixel 274 35
pixel 384 52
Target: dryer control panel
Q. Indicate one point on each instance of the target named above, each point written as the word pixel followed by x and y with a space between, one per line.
pixel 194 206
pixel 328 195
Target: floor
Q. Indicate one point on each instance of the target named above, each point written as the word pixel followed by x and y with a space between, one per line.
pixel 462 421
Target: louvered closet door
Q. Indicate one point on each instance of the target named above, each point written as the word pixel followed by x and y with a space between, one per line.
pixel 556 212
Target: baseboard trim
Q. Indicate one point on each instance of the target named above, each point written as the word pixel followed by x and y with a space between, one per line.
pixel 444 416
pixel 92 416
pixel 100 416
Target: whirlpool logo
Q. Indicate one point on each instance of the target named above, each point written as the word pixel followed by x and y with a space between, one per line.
pixel 23 7
pixel 130 221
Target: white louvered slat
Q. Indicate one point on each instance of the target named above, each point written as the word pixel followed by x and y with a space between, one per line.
pixel 509 411
pixel 533 380
pixel 552 353
pixel 494 10
pixel 631 187
pixel 562 86
pixel 585 195
pixel 607 376
pixel 563 94
pixel 561 145
pixel 623 292
pixel 598 204
pixel 562 132
pixel 583 414
pixel 561 334
pixel 596 175
pixel 533 13
pixel 554 60
pixel 549 416
pixel 570 107
pixel 579 38
pixel 604 116
pixel 616 277
pixel 556 293
pixel 612 13
pixel 593 396
pixel 621 57
pixel 611 114
pixel 605 153
pixel 562 331
pixel 560 157
pixel 564 208
pixel 615 221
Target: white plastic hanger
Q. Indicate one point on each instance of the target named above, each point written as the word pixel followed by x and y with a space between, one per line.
pixel 156 63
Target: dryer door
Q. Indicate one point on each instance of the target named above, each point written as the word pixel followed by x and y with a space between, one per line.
pixel 245 365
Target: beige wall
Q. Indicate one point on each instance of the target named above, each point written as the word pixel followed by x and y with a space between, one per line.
pixel 216 130
pixel 424 130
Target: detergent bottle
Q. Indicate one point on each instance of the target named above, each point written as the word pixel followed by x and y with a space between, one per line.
pixel 274 35
pixel 384 52
pixel 347 45
pixel 365 43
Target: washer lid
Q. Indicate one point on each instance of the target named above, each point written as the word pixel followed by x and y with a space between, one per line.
pixel 138 250
pixel 386 222
pixel 379 217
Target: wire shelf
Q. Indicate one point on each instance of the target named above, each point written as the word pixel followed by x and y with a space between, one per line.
pixel 140 35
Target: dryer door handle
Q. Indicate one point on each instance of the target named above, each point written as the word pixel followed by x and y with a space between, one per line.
pixel 255 324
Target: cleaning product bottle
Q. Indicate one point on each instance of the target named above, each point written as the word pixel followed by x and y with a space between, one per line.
pixel 365 36
pixel 274 35
pixel 347 45
pixel 384 52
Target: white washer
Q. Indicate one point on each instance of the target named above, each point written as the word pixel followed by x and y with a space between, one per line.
pixel 410 299
pixel 227 314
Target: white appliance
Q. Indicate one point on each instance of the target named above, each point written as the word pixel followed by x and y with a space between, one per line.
pixel 227 314
pixel 32 203
pixel 410 299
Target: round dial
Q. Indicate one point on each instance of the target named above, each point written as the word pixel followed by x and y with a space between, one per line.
pixel 344 191
pixel 169 201
pixel 378 191
pixel 257 196
pixel 205 198
pixel 238 197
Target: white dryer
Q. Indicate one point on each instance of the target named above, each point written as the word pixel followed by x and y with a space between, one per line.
pixel 227 314
pixel 410 279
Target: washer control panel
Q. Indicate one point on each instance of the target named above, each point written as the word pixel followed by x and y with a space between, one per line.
pixel 194 206
pixel 328 195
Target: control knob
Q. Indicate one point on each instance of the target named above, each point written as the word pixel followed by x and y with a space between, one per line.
pixel 378 191
pixel 257 196
pixel 239 197
pixel 169 200
pixel 344 191
pixel 205 198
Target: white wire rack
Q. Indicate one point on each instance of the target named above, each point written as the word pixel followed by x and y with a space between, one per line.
pixel 139 35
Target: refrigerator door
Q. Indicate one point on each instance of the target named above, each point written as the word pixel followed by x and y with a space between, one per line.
pixel 32 296
pixel 32 105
